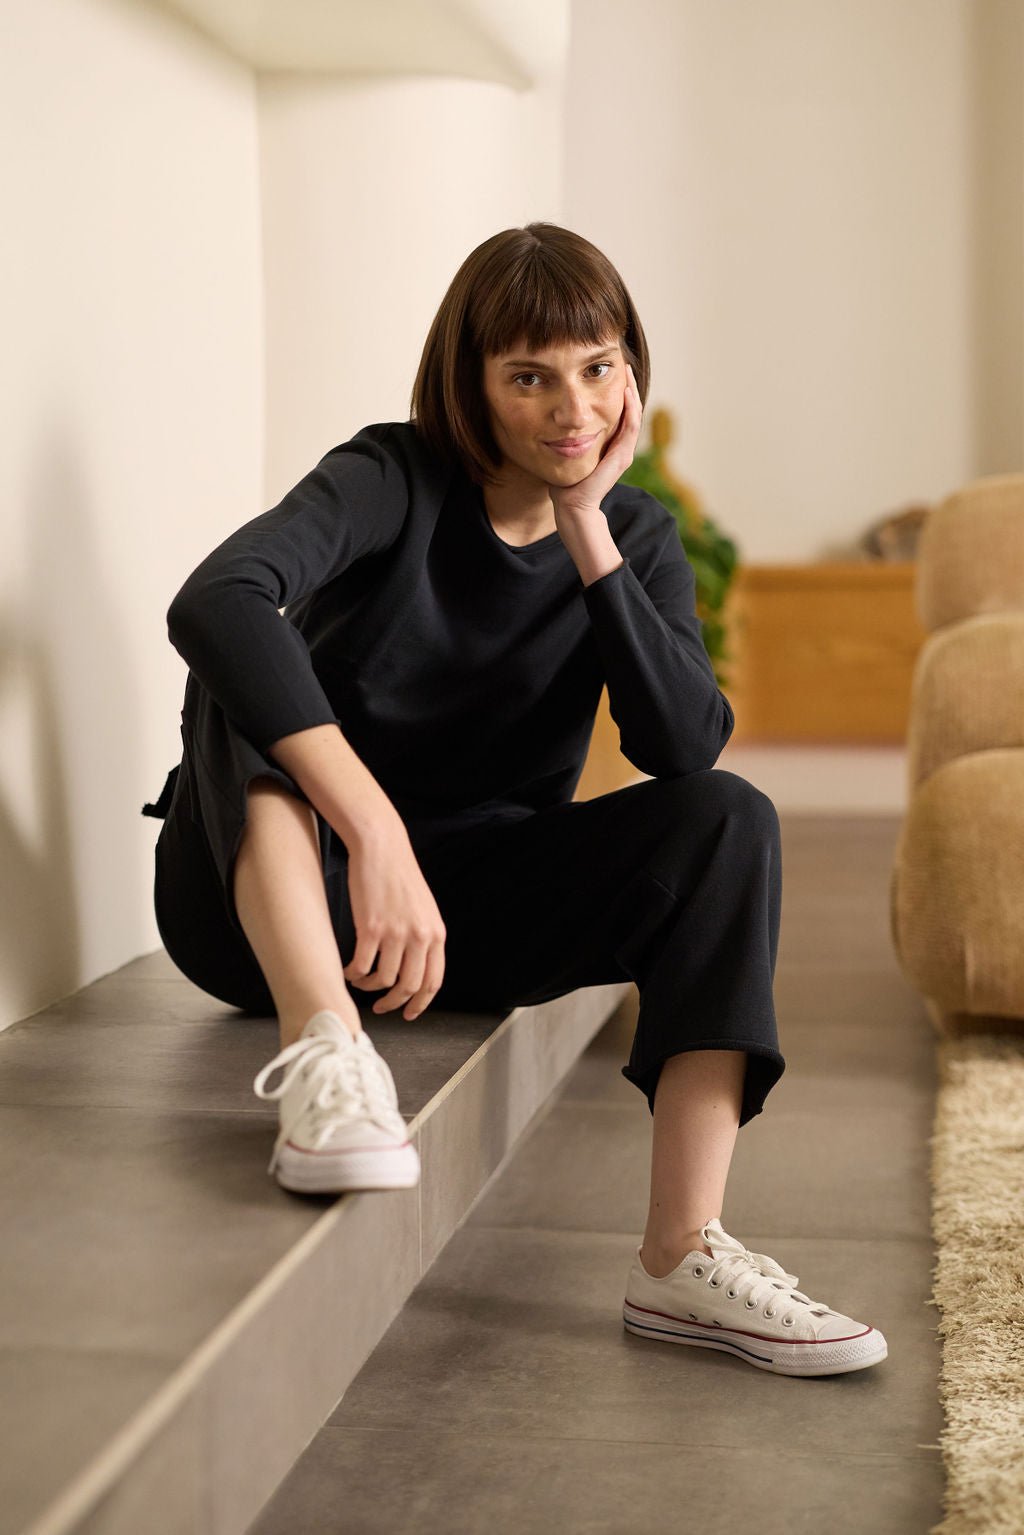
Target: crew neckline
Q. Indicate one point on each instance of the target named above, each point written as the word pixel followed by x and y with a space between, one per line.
pixel 523 551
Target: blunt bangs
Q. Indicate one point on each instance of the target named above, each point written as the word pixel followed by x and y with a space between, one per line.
pixel 541 302
pixel 538 286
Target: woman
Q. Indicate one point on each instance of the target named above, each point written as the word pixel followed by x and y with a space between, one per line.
pixel 375 791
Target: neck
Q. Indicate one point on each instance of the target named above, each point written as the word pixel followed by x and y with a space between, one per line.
pixel 525 505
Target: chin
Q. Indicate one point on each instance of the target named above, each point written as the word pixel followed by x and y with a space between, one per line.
pixel 572 470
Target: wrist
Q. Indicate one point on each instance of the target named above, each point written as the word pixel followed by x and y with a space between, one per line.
pixel 371 832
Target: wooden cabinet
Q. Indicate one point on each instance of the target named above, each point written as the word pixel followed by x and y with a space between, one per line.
pixel 822 652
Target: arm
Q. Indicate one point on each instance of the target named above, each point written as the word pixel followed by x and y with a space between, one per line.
pixel 661 685
pixel 662 691
pixel 338 784
pixel 400 934
pixel 225 622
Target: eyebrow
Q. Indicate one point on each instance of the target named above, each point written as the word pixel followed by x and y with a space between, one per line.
pixel 532 362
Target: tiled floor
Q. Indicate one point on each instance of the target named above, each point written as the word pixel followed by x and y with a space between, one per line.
pixel 507 1397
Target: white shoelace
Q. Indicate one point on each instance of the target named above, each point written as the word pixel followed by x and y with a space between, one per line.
pixel 755 1278
pixel 338 1081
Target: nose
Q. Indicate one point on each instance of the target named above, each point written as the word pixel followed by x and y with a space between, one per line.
pixel 570 412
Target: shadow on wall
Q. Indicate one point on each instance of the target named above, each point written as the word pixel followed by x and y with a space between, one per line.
pixel 67 828
pixel 39 941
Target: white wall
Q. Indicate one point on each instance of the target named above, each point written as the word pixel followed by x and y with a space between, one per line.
pixel 374 192
pixel 818 209
pixel 132 399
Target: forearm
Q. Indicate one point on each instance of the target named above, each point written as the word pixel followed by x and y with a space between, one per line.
pixel 591 546
pixel 662 689
pixel 337 783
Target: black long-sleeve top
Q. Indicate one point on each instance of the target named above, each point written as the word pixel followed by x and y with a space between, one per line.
pixel 464 672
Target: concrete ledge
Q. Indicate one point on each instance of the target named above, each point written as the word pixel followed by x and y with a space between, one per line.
pixel 175 1327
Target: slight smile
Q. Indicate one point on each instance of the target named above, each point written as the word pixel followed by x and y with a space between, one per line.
pixel 572 447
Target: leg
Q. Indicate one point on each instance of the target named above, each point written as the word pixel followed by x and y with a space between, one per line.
pixel 282 906
pixel 672 883
pixel 677 885
pixel 696 1117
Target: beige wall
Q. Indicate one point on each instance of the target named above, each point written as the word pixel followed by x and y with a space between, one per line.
pixel 132 409
pixel 374 191
pixel 819 211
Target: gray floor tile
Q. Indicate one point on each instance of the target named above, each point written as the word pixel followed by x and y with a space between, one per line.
pixel 132 1043
pixel 827 1027
pixel 586 1165
pixel 188 1222
pixel 597 1075
pixel 438 1479
pixel 425 1054
pixel 870 993
pixel 53 1416
pixel 520 1332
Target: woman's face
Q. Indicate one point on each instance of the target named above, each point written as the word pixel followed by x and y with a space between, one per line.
pixel 553 410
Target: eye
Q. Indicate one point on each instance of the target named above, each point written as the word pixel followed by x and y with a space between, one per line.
pixel 521 377
pixel 605 365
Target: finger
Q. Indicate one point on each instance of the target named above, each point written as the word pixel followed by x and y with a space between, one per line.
pixel 409 981
pixel 362 960
pixel 634 406
pixel 388 966
pixel 433 975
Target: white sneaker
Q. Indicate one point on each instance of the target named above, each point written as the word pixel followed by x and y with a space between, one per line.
pixel 746 1304
pixel 340 1125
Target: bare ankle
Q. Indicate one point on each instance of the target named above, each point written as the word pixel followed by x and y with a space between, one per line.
pixel 292 1024
pixel 661 1258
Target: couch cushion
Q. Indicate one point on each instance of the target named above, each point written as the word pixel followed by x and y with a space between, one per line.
pixel 968 692
pixel 971 554
pixel 957 886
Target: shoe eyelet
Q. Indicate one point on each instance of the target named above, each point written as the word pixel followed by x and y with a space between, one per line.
pixel 751 1305
pixel 731 1294
pixel 714 1283
pixel 787 1321
pixel 767 1312
pixel 698 1271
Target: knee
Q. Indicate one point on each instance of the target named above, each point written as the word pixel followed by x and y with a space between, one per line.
pixel 722 795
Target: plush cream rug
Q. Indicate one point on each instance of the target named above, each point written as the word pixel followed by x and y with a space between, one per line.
pixel 978 1219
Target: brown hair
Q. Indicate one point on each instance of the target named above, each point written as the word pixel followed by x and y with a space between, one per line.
pixel 541 285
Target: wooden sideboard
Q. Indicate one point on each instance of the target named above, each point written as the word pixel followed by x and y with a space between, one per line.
pixel 822 652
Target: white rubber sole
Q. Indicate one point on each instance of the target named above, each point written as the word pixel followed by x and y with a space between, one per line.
pixel 830 1357
pixel 340 1172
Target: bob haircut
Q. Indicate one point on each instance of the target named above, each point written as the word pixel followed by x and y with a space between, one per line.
pixel 539 286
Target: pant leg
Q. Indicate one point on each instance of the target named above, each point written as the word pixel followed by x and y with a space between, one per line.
pixel 196 851
pixel 674 883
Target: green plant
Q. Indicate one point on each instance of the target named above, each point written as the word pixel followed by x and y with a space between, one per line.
pixel 712 554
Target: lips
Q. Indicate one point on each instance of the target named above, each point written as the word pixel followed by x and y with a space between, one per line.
pixel 573 442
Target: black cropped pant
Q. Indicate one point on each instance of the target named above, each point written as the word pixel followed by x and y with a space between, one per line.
pixel 674 883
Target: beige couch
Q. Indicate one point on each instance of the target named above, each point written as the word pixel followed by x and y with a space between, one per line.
pixel 957 883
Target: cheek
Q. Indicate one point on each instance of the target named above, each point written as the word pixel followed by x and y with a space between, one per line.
pixel 517 417
pixel 615 397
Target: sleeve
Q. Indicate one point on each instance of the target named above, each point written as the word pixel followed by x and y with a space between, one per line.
pixel 225 621
pixel 662 691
